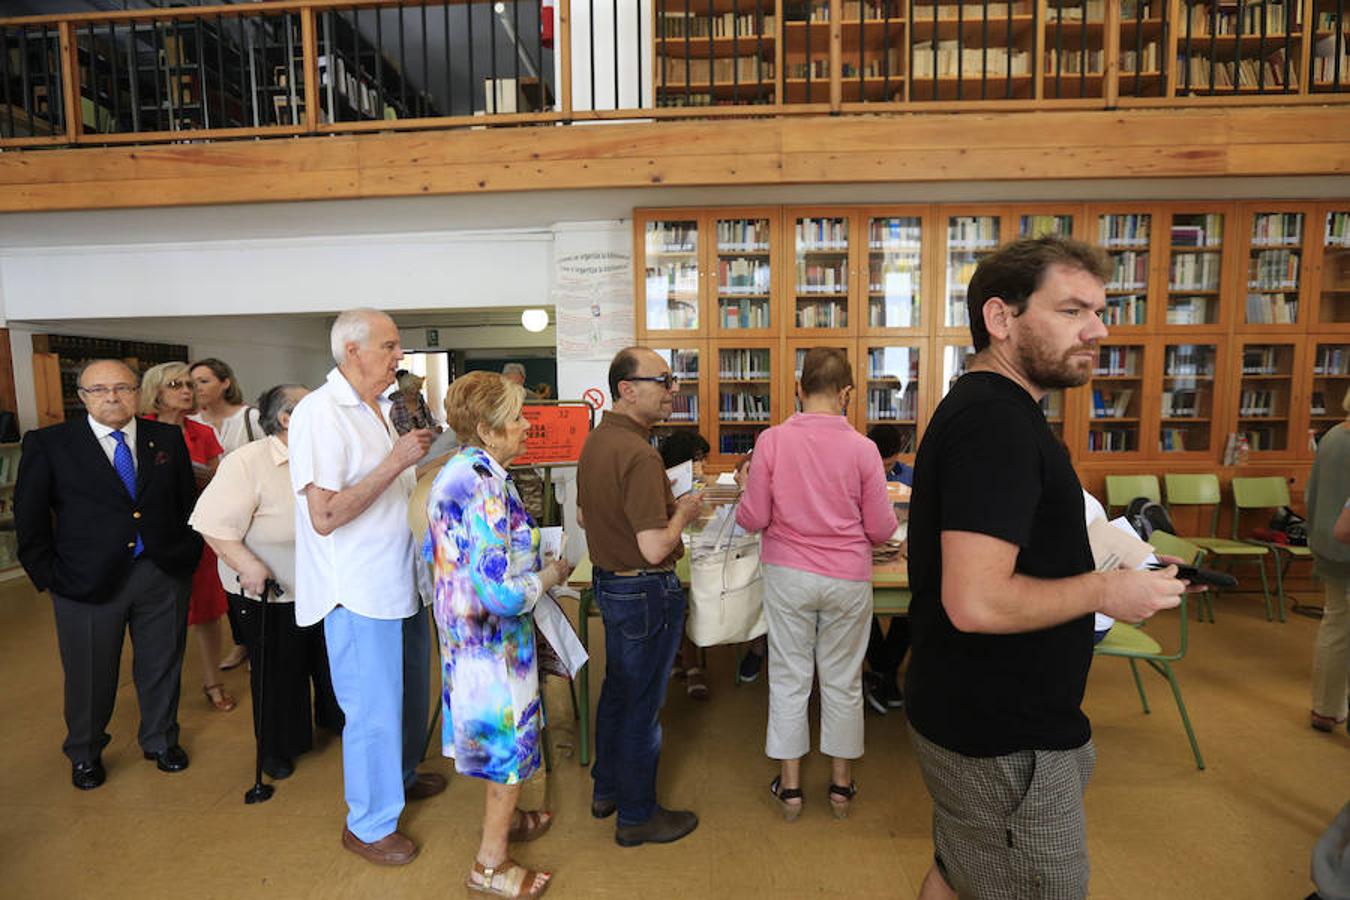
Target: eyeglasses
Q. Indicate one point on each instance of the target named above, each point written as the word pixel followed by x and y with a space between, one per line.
pixel 666 381
pixel 178 384
pixel 103 390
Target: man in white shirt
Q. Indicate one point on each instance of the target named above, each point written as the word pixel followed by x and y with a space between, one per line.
pixel 354 572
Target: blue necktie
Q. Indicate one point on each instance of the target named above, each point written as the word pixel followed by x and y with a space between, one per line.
pixel 126 470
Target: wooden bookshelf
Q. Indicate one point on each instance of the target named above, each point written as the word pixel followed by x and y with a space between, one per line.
pixel 1331 298
pixel 1274 263
pixel 58 358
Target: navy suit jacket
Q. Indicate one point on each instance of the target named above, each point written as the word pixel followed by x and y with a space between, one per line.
pixel 76 522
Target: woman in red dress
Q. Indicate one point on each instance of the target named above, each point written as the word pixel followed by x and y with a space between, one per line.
pixel 166 395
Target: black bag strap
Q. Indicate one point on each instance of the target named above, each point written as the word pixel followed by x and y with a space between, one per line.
pixel 248 423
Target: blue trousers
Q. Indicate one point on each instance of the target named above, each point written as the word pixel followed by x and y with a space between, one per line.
pixel 644 618
pixel 367 657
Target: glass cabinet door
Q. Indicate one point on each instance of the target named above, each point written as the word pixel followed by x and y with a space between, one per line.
pixel 1195 269
pixel 822 269
pixel 1273 267
pixel 1186 404
pixel 1126 239
pixel 797 352
pixel 894 270
pixel 891 387
pixel 745 405
pixel 1331 380
pixel 744 282
pixel 1333 306
pixel 1265 395
pixel 685 364
pixel 955 358
pixel 1117 398
pixel 671 254
pixel 969 239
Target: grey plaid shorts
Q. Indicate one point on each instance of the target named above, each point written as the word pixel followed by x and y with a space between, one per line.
pixel 1009 826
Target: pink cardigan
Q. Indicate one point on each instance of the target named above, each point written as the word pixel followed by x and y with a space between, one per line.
pixel 817 490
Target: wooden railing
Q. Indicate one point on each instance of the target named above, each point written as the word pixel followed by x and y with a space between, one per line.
pixel 313 67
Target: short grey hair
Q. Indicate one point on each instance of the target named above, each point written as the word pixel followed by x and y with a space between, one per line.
pixel 273 402
pixel 514 368
pixel 352 326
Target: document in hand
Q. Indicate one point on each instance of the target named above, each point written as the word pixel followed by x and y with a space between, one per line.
pixel 552 622
pixel 1115 545
pixel 681 478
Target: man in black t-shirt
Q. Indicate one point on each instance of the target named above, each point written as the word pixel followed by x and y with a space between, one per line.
pixel 1004 589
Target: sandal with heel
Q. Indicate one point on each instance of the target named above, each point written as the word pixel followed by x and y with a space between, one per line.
pixel 531 825
pixel 841 799
pixel 790 810
pixel 509 879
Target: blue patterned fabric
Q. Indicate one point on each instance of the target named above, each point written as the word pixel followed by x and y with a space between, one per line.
pixel 126 470
pixel 484 551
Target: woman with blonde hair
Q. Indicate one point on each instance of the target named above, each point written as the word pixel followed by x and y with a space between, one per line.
pixel 817 490
pixel 484 551
pixel 166 395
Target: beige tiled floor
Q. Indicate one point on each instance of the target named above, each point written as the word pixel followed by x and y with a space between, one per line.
pixel 1158 828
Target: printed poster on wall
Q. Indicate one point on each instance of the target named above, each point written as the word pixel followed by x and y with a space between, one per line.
pixel 592 294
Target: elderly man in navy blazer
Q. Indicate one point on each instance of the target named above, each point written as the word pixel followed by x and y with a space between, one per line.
pixel 101 506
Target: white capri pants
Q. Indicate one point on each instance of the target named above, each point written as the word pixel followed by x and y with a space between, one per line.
pixel 817 624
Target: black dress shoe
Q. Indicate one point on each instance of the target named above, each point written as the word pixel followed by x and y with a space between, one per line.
pixel 87 775
pixel 170 759
pixel 278 767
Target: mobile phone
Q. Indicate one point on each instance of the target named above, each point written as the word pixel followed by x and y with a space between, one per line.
pixel 1200 576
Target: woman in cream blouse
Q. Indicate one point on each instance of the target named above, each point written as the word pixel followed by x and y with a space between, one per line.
pixel 247 515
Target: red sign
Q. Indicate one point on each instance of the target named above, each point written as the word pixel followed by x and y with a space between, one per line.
pixel 556 433
pixel 594 397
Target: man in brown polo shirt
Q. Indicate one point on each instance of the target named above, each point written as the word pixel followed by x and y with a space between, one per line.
pixel 633 526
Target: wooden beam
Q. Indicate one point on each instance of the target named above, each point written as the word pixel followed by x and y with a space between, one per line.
pixel 1216 142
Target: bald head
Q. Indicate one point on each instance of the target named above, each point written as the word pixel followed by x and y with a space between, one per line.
pixel 108 390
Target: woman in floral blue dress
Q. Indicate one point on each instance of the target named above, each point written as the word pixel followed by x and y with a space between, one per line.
pixel 484 551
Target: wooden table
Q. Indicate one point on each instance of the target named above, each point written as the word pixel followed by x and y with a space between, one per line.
pixel 890 597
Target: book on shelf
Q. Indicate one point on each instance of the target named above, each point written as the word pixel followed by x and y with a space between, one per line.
pixel 1277 228
pixel 1180 404
pixel 747 364
pixel 822 314
pixel 745 313
pixel 743 235
pixel 1332 361
pixel 1132 10
pixel 671 237
pixel 681 24
pixel 720 70
pixel 1124 230
pixel 1247 73
pixel 1246 18
pixel 1088 10
pixel 1181 360
pixel 1195 271
pixel 1257 403
pixel 1129 270
pixel 892 403
pixel 1144 60
pixel 684 408
pixel 1037 226
pixel 1188 311
pixel 970 12
pixel 1074 62
pixel 743 406
pixel 1052 404
pixel 1131 309
pixel 895 234
pixel 1260 361
pixel 672 278
pixel 1172 439
pixel 822 278
pixel 942 59
pixel 684 364
pixel 1198 230
pixel 972 233
pixel 742 276
pixel 1117 361
pixel 1271 309
pixel 1317 404
pixel 1338 230
pixel 1111 440
pixel 1273 270
pixel 1111 404
pixel 1327 63
pixel 821 235
pixel 1264 438
pixel 736 442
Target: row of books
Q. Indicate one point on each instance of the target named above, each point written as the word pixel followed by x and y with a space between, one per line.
pixel 1182 404
pixel 1264 360
pixel 1195 272
pixel 1124 230
pixel 893 363
pixel 1317 404
pixel 743 235
pixel 885 403
pixel 1188 359
pixel 676 314
pixel 723 70
pixel 1111 404
pixel 1332 360
pixel 1145 59
pixel 1129 271
pixel 672 237
pixel 1088 11
pixel 892 312
pixel 972 232
pixel 1258 403
pixel 1075 62
pixel 875 65
pixel 849 10
pixel 1265 438
pixel 1277 228
pixel 822 314
pixel 1268 73
pixel 942 59
pixel 683 364
pixel 883 271
pixel 821 234
pixel 959 272
pixel 1131 309
pixel 1052 404
pixel 1174 439
pixel 971 12
pixel 1197 231
pixel 1271 309
pixel 1117 361
pixel 895 234
pixel 1191 310
pixel 744 314
pixel 743 406
pixel 1326 71
pixel 747 364
pixel 1256 17
pixel 1133 10
pixel 673 25
pixel 684 408
pixel 1111 440
pixel 1037 226
pixel 676 278
pixel 742 276
pixel 1273 269
pixel 736 442
pixel 822 278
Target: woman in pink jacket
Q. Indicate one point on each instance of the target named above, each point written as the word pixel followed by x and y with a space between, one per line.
pixel 817 491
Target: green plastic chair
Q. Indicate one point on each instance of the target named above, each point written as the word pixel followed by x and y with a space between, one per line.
pixel 1203 490
pixel 1133 643
pixel 1121 489
pixel 1268 492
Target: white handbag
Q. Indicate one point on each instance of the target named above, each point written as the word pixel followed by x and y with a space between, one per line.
pixel 726 590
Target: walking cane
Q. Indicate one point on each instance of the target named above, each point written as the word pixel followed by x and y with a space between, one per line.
pixel 260 792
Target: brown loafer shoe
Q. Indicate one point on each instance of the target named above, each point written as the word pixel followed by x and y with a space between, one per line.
pixel 426 784
pixel 391 850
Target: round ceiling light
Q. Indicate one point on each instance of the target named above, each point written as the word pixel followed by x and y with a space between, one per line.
pixel 534 319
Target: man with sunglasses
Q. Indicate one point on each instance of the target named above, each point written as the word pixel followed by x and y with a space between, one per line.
pixel 633 525
pixel 101 507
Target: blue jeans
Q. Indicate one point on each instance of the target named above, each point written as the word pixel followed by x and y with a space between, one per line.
pixel 644 619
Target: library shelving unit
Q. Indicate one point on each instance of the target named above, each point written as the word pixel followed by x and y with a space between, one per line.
pixel 1238 46
pixel 1142 36
pixel 714 52
pixel 806 51
pixel 1329 66
pixel 1075 48
pixel 1195 273
pixel 1333 296
pixel 686 360
pixel 819 300
pixel 58 358
pixel 1275 264
pixel 1115 398
pixel 9 470
pixel 1182 371
pixel 966 51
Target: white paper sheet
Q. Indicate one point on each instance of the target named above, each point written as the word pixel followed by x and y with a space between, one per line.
pixel 550 541
pixel 553 623
pixel 681 478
